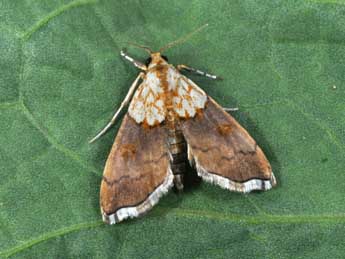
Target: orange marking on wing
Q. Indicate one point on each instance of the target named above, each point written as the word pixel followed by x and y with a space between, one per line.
pixel 160 96
pixel 224 129
pixel 160 110
pixel 128 150
pixel 188 98
pixel 147 126
pixel 161 73
pixel 199 113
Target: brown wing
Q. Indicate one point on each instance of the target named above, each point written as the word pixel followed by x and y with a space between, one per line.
pixel 224 153
pixel 137 172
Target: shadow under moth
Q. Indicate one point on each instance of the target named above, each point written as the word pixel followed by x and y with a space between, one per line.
pixel 172 121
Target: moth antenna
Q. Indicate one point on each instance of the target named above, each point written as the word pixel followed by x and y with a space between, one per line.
pixel 182 39
pixel 147 49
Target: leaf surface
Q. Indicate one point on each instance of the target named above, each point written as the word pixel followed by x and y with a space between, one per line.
pixel 62 78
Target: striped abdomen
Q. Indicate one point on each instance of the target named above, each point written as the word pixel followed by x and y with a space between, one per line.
pixel 178 152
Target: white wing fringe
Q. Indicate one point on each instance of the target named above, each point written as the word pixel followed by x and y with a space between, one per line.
pixel 142 208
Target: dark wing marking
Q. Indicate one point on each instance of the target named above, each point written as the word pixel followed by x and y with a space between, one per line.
pixel 224 153
pixel 137 172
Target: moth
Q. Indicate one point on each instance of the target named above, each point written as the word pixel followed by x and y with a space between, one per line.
pixel 171 121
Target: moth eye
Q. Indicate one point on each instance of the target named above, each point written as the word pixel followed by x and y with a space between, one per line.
pixel 148 61
pixel 165 58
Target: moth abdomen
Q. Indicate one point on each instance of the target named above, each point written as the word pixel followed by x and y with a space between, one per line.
pixel 178 156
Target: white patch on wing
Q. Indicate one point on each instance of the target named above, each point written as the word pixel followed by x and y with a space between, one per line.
pixel 152 81
pixel 139 110
pixel 199 99
pixel 172 77
pixel 145 92
pixel 150 118
pixel 181 112
pixel 181 90
pixel 150 99
pixel 186 105
pixel 189 98
pixel 176 100
pixel 159 104
pixel 147 103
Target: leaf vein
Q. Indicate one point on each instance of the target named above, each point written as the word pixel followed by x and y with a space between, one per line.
pixel 189 213
pixel 69 153
pixel 331 136
pixel 259 105
pixel 45 20
pixel 54 234
pixel 259 219
pixel 8 105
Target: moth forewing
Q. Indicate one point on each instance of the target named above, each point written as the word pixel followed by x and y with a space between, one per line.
pixel 137 172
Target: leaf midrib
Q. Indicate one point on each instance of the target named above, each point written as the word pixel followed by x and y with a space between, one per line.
pixel 186 213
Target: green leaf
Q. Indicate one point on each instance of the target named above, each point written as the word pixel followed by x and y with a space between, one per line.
pixel 62 78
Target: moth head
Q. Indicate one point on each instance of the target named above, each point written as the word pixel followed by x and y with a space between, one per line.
pixel 156 58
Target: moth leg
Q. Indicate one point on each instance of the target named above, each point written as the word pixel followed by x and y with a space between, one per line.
pixel 123 104
pixel 178 182
pixel 230 109
pixel 136 63
pixel 197 71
